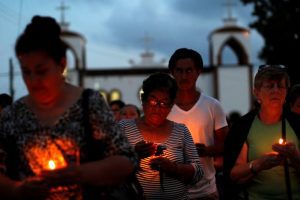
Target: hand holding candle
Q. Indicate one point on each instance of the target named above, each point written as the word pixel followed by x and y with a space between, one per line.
pixel 62 177
pixel 285 148
pixel 144 149
pixel 268 161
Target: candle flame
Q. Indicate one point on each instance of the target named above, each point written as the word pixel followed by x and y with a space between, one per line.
pixel 51 164
pixel 281 141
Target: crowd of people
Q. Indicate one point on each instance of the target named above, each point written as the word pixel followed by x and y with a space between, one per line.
pixel 63 142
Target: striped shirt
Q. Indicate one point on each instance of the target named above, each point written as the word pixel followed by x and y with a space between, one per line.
pixel 180 149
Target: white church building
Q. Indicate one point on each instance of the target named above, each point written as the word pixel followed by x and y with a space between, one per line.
pixel 231 84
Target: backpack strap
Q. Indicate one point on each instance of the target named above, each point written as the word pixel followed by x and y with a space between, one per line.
pixel 92 149
pixel 286 167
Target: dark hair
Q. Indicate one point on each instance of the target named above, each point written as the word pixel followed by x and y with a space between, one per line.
pixel 184 53
pixel 5 100
pixel 294 93
pixel 158 81
pixel 118 102
pixel 42 34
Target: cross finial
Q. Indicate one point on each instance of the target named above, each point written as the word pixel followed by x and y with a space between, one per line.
pixel 62 9
pixel 229 5
pixel 230 20
pixel 147 40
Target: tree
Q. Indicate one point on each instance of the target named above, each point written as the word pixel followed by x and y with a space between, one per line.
pixel 278 22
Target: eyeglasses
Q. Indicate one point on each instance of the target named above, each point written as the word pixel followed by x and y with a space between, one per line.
pixel 270 86
pixel 154 102
pixel 263 67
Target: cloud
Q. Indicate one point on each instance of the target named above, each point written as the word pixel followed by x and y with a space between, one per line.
pixel 170 24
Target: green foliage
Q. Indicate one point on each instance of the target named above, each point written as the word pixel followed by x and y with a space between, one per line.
pixel 278 22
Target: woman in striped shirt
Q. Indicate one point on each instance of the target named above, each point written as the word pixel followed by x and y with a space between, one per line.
pixel 169 162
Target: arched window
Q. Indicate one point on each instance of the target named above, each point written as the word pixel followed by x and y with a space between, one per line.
pixel 237 51
pixel 228 56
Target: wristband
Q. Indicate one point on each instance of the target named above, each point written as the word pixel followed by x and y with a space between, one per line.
pixel 252 170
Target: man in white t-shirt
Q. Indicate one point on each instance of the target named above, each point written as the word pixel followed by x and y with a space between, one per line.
pixel 203 116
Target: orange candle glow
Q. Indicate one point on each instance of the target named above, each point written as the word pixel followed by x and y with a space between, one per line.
pixel 52 155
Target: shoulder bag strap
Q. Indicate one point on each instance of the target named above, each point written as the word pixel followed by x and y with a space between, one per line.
pixel 286 167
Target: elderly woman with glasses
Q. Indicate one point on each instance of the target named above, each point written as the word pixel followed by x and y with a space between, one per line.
pixel 254 154
pixel 168 156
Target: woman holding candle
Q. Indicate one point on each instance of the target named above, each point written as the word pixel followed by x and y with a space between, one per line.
pixel 253 160
pixel 169 159
pixel 42 135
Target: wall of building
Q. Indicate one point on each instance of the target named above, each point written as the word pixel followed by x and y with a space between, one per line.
pixel 234 88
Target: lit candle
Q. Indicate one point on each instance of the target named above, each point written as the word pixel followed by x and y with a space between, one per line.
pixel 281 141
pixel 51 165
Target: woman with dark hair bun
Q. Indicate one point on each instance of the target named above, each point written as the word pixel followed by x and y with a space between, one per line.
pixel 60 141
pixel 42 34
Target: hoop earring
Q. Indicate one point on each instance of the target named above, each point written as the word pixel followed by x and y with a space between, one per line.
pixel 258 101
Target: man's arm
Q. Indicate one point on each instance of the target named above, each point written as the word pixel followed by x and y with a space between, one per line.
pixel 218 149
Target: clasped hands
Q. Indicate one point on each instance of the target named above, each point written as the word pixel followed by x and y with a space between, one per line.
pixel 287 150
pixel 272 159
pixel 146 149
